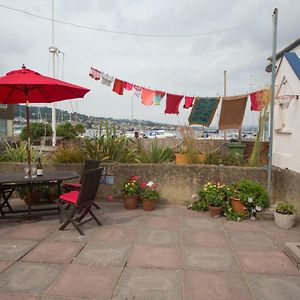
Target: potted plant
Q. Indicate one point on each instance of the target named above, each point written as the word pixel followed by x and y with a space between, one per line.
pixel 149 194
pixel 37 193
pixel 188 149
pixel 249 197
pixel 130 191
pixel 215 195
pixel 284 215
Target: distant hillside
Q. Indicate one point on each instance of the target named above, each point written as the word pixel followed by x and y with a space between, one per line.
pixel 45 113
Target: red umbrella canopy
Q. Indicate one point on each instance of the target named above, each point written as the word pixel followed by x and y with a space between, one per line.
pixel 24 85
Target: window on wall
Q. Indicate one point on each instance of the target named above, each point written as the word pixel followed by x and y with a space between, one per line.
pixel 3 127
pixel 283 116
pixel 3 106
pixel 284 109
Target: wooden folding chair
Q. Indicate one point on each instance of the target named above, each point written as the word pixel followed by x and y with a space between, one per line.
pixel 81 201
pixel 72 186
pixel 5 194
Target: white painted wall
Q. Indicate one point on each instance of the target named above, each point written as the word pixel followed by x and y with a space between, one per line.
pixel 286 138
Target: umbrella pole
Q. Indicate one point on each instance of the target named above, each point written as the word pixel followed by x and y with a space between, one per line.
pixel 28 136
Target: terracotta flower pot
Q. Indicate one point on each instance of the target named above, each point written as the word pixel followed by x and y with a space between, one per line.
pixel 130 202
pixel 148 204
pixel 180 159
pixel 215 211
pixel 238 206
pixel 32 198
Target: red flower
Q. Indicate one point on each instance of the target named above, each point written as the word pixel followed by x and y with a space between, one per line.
pixel 131 178
pixel 143 185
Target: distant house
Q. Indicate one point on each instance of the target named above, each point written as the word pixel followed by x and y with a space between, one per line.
pixel 286 138
pixel 6 120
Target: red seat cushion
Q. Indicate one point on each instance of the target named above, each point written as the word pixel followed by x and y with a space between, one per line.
pixel 72 185
pixel 70 197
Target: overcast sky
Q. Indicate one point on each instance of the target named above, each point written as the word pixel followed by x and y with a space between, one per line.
pixel 184 65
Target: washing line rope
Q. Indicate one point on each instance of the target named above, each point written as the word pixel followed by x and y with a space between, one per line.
pixel 183 35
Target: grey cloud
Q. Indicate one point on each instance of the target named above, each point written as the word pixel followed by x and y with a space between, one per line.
pixel 193 65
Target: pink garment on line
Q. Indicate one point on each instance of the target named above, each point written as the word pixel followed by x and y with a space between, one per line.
pixel 188 102
pixel 172 103
pixel 147 96
pixel 95 74
pixel 118 86
pixel 137 91
pixel 128 86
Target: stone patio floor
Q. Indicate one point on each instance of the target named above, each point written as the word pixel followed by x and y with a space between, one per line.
pixel 170 253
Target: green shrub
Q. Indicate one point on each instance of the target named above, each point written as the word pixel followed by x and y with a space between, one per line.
pixel 285 208
pixel 155 154
pixel 17 152
pixel 252 194
pixel 37 130
pixel 69 153
pixel 68 131
pixel 110 147
pixel 226 159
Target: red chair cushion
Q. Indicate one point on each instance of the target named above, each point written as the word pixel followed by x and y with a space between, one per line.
pixel 72 185
pixel 70 197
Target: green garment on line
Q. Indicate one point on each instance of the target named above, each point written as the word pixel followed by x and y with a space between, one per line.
pixel 203 110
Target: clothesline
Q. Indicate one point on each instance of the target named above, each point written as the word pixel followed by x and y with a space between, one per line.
pixel 137 84
pixel 204 108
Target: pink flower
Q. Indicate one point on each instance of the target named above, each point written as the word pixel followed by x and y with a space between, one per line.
pixel 110 198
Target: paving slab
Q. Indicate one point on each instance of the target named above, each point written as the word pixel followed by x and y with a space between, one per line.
pixel 4 265
pixel 245 225
pixel 14 249
pixel 201 223
pixel 86 281
pixel 70 235
pixel 215 285
pixel 54 252
pixel 251 240
pixel 13 296
pixel 160 237
pixel 164 211
pixel 272 287
pixel 7 225
pixel 204 238
pixel 33 231
pixel 124 220
pixel 270 226
pixel 271 262
pixel 292 250
pixel 104 254
pixel 208 258
pixel 158 284
pixel 193 213
pixel 27 277
pixel 157 222
pixel 155 257
pixel 114 235
pixel 280 238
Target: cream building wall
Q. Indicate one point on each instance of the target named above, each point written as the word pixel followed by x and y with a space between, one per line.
pixel 286 137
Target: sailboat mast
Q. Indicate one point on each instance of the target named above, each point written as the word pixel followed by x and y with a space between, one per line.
pixel 53 51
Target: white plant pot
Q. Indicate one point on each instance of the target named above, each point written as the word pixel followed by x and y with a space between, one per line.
pixel 284 221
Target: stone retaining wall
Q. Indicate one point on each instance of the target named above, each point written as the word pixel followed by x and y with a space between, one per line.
pixel 178 183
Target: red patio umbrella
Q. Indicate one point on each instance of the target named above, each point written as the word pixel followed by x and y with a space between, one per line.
pixel 27 86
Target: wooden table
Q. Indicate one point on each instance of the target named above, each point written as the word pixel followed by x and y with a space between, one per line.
pixel 10 181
